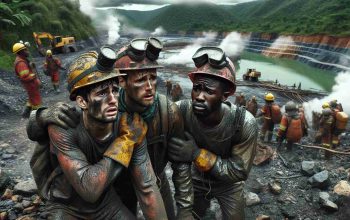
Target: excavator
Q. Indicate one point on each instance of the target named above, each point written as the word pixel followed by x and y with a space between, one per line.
pixel 58 44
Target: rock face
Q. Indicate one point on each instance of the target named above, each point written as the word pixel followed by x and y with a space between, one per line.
pixel 320 180
pixel 324 52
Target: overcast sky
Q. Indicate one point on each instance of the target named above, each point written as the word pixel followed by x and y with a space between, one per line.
pixel 144 5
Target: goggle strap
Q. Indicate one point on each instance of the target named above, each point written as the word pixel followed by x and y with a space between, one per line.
pixel 81 76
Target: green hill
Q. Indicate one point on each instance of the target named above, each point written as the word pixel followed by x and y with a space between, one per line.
pixel 19 19
pixel 271 16
pixel 181 17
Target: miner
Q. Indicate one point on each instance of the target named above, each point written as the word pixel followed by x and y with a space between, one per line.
pixel 28 78
pixel 52 66
pixel 221 138
pixel 86 160
pixel 138 61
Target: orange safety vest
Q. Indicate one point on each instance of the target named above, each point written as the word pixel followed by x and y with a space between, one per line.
pixel 23 69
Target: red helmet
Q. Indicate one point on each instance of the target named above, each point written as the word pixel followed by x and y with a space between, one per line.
pixel 223 69
pixel 139 54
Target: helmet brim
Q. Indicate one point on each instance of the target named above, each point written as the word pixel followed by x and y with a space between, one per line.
pixel 192 75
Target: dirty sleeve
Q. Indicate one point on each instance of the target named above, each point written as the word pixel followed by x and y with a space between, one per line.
pixel 182 177
pixel 35 131
pixel 88 180
pixel 237 167
pixel 144 182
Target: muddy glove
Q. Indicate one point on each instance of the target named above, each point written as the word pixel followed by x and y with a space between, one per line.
pixel 183 150
pixel 131 134
pixel 60 114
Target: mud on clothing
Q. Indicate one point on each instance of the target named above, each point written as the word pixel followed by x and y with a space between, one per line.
pixel 91 173
pixel 234 153
pixel 165 124
pixel 29 81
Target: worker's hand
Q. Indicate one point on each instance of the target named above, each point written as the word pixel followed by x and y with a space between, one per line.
pixel 60 114
pixel 133 126
pixel 183 150
pixel 132 132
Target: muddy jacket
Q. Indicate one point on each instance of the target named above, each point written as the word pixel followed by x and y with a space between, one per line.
pixel 81 180
pixel 168 115
pixel 226 156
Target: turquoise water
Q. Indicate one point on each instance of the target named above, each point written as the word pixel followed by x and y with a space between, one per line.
pixel 286 71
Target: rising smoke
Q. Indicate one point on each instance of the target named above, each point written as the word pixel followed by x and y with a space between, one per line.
pixel 233 44
pixel 103 20
pixel 158 31
pixel 339 92
pixel 185 55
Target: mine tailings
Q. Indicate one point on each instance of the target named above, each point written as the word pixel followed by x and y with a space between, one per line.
pixel 320 51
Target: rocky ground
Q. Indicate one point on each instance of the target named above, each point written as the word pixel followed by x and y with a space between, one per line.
pixel 299 184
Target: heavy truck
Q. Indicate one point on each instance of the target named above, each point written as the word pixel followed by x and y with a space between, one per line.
pixel 57 44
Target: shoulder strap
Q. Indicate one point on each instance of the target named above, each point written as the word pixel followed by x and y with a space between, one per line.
pixel 164 117
pixel 238 123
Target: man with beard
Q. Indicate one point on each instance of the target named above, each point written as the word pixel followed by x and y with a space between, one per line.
pixel 86 160
pixel 138 61
pixel 28 78
pixel 221 137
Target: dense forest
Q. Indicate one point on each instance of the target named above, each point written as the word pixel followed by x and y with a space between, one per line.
pixel 19 19
pixel 268 16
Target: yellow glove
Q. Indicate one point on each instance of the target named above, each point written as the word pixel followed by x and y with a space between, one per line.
pixel 131 134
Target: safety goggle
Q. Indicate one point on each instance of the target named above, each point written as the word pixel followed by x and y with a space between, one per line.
pixel 140 48
pixel 213 55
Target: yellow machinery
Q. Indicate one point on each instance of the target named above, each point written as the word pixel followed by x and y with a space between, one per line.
pixel 252 75
pixel 57 44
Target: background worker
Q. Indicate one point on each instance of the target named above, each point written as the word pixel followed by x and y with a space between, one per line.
pixel 252 106
pixel 272 115
pixel 52 66
pixel 28 78
pixel 292 127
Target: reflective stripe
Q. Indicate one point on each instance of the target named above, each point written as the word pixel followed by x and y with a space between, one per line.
pixel 268 118
pixel 23 72
pixel 283 128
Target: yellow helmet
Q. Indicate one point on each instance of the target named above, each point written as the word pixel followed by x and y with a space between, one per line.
pixel 325 105
pixel 90 68
pixel 269 97
pixel 48 52
pixel 18 47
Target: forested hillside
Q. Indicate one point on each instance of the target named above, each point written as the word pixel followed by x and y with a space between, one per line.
pixel 269 16
pixel 19 19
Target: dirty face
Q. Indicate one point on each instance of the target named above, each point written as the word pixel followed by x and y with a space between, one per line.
pixel 207 95
pixel 141 85
pixel 102 102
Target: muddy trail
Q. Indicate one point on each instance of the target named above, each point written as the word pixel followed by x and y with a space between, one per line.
pixel 275 189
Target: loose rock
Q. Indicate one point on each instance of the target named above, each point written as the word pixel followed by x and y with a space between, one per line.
pixel 320 180
pixel 25 188
pixel 251 199
pixel 275 187
pixel 342 188
pixel 308 168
